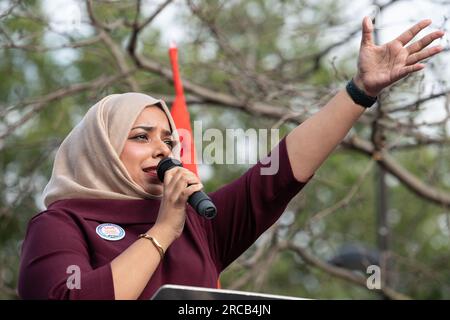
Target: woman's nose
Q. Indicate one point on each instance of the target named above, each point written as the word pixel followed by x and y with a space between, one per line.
pixel 162 150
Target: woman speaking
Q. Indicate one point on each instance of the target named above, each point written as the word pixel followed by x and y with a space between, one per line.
pixel 113 230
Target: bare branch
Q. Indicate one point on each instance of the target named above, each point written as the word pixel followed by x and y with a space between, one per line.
pixel 393 167
pixel 137 28
pixel 341 272
pixel 222 99
pixel 38 104
pixel 116 51
pixel 8 10
pixel 408 106
pixel 346 200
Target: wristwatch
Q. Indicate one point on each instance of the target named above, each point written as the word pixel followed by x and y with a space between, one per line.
pixel 359 96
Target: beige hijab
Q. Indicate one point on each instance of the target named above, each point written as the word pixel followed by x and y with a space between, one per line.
pixel 87 163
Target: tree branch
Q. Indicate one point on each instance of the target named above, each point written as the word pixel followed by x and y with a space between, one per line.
pixel 341 272
pixel 388 162
pixel 116 51
pixel 38 104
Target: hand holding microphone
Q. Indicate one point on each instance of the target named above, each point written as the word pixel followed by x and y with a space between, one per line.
pixel 199 200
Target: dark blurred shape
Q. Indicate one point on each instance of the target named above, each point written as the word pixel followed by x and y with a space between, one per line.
pixel 354 256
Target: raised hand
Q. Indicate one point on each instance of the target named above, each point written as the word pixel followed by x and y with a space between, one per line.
pixel 380 66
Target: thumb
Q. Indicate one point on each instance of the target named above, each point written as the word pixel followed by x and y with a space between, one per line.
pixel 367 29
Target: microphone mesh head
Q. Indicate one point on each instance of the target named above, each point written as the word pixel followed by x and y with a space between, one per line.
pixel 166 164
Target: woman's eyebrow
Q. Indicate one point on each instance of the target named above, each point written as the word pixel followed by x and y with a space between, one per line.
pixel 151 128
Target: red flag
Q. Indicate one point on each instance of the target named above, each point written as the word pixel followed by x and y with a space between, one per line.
pixel 181 116
pixel 182 119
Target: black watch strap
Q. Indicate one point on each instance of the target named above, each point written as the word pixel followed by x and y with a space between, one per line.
pixel 359 96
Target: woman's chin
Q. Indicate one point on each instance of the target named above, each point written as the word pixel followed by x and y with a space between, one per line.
pixel 154 189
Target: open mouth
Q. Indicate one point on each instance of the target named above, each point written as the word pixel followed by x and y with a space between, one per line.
pixel 151 171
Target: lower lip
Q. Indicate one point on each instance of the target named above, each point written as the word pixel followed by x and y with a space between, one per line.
pixel 153 175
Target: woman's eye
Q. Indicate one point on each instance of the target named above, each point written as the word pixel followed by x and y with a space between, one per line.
pixel 141 137
pixel 170 143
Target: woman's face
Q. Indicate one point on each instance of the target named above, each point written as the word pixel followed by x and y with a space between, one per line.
pixel 148 142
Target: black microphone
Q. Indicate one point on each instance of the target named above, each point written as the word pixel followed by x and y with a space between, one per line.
pixel 198 200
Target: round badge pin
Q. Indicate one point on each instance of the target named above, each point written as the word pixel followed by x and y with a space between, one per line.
pixel 110 231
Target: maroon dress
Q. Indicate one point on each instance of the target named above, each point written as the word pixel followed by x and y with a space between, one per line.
pixel 65 235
